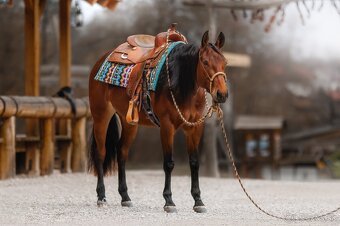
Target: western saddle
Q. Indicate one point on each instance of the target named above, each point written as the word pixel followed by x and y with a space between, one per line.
pixel 145 52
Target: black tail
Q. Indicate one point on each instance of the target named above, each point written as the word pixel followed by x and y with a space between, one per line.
pixel 111 145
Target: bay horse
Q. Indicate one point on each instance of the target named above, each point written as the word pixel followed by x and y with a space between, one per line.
pixel 192 69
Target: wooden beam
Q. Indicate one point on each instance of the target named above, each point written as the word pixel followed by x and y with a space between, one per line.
pixel 33 12
pixel 7 148
pixel 65 42
pixel 64 126
pixel 32 47
pixel 42 107
pixel 237 60
pixel 258 4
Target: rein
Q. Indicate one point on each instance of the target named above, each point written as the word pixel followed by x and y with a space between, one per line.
pixel 215 107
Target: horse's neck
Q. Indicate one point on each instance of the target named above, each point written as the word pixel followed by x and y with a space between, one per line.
pixel 196 100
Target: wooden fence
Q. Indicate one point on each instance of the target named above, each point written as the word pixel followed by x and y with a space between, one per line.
pixel 45 110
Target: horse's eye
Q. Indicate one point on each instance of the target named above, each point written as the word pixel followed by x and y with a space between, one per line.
pixel 205 62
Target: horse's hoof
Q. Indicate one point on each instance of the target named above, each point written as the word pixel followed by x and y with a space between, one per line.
pixel 101 203
pixel 200 209
pixel 170 209
pixel 127 204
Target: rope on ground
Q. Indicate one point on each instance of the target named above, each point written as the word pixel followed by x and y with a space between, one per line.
pixel 232 161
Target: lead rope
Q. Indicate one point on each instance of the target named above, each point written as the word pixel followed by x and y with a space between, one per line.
pixel 232 161
pixel 216 108
pixel 210 109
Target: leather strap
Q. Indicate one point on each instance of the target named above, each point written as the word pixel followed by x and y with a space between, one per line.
pixel 132 113
pixel 146 103
pixel 133 83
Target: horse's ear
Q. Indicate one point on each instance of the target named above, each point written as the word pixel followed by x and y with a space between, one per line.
pixel 205 39
pixel 220 40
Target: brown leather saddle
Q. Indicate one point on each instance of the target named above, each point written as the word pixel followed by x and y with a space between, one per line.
pixel 145 52
pixel 144 41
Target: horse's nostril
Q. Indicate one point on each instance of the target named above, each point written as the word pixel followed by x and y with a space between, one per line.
pixel 220 97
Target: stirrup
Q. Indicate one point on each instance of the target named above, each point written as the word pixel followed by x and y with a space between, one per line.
pixel 132 113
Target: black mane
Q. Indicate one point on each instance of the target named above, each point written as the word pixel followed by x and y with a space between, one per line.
pixel 183 61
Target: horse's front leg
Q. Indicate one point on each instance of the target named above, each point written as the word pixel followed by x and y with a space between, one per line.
pixel 193 137
pixel 167 138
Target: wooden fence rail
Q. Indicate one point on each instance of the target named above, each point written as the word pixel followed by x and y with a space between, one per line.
pixel 46 110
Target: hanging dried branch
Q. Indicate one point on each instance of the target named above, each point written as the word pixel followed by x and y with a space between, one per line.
pixel 306 7
pixel 254 15
pixel 336 6
pixel 313 5
pixel 261 15
pixel 280 22
pixel 301 15
pixel 272 19
pixel 320 6
pixel 257 8
pixel 245 14
pixel 233 14
pixel 257 15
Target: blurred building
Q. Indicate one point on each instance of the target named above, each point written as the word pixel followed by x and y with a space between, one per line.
pixel 257 143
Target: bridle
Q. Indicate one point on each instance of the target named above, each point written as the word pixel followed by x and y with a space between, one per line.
pixel 211 78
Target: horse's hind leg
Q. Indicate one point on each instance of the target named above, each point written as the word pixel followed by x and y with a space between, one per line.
pixel 193 136
pixel 128 135
pixel 100 125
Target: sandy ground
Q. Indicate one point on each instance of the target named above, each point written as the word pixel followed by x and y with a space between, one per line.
pixel 71 200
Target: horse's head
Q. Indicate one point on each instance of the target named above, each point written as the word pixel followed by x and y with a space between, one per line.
pixel 211 66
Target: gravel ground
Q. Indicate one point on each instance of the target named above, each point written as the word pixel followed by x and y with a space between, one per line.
pixel 71 199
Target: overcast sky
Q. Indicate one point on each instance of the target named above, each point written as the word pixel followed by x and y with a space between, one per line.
pixel 318 38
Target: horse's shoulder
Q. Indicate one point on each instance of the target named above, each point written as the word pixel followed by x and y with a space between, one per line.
pixel 200 99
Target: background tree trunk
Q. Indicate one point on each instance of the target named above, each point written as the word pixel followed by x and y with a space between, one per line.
pixel 209 148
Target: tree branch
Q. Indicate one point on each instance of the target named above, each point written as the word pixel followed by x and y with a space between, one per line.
pixel 240 5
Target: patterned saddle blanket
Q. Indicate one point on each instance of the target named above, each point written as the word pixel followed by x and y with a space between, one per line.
pixel 118 74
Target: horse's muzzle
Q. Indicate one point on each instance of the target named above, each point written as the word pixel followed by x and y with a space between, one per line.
pixel 221 97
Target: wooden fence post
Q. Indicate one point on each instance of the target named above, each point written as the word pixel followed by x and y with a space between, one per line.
pixel 47 148
pixel 79 145
pixel 33 13
pixel 7 148
pixel 65 58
